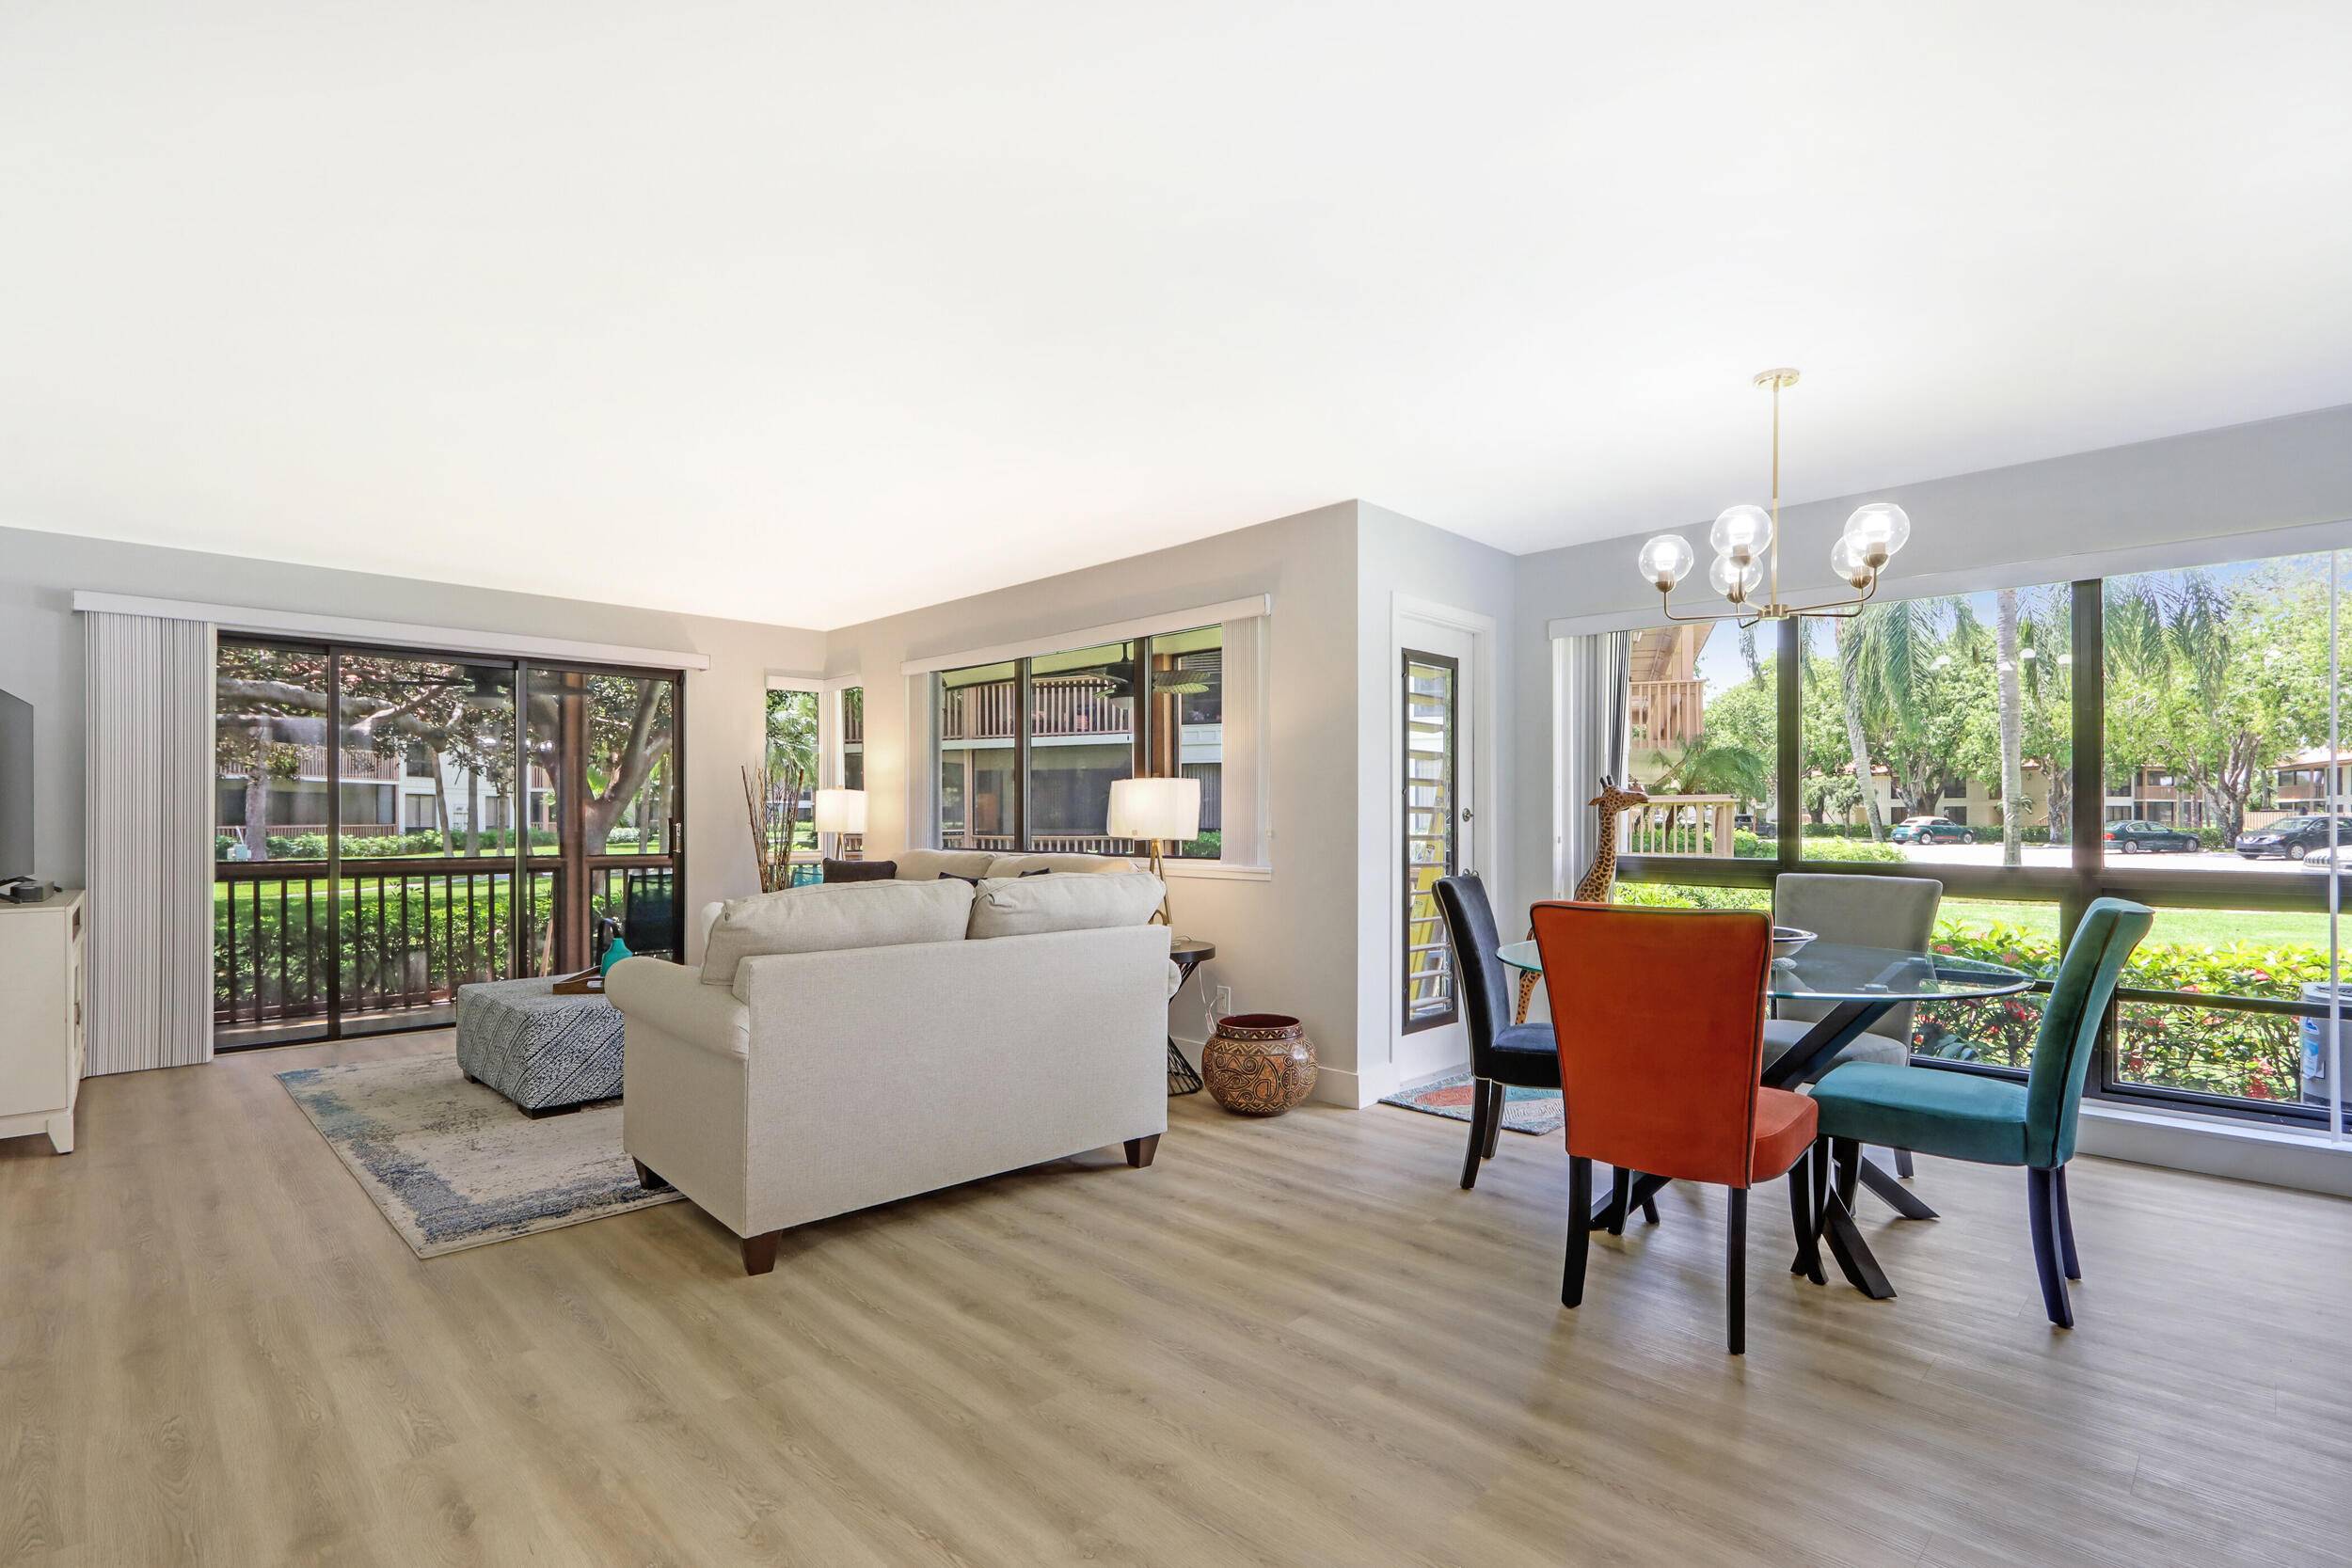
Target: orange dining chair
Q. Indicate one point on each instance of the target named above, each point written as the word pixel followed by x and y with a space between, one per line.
pixel 1659 1018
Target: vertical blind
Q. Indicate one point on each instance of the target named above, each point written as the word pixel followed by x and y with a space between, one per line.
pixel 151 882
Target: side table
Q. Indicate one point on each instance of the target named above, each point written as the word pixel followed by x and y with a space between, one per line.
pixel 1188 954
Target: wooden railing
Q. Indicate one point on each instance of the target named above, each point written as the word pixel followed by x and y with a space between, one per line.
pixel 1668 713
pixel 1057 706
pixel 1043 844
pixel 1679 824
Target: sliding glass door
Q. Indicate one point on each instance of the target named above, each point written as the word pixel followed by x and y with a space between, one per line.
pixel 393 824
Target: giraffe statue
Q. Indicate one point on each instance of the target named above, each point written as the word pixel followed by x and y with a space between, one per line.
pixel 1594 889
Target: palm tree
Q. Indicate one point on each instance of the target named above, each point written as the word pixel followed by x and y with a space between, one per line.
pixel 2013 730
pixel 1884 659
pixel 1709 766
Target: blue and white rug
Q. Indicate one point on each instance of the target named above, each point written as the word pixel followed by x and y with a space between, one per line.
pixel 453 1165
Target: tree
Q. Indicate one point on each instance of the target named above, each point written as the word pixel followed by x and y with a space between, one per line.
pixel 2216 681
pixel 2013 729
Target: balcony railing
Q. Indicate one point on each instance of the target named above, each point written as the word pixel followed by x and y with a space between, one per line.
pixel 1081 706
pixel 1668 713
pixel 386 945
pixel 1679 824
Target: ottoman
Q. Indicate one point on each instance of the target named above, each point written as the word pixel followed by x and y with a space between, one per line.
pixel 544 1052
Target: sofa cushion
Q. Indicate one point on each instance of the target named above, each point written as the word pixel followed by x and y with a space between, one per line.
pixel 824 917
pixel 924 865
pixel 1021 866
pixel 1027 905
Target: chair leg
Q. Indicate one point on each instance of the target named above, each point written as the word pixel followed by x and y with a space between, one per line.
pixel 2065 1223
pixel 1902 1163
pixel 1579 1229
pixel 2041 1214
pixel 1848 1155
pixel 1736 1269
pixel 1479 1102
pixel 1497 1095
pixel 1804 1217
pixel 1620 1199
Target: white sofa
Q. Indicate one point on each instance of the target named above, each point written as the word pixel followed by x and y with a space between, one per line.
pixel 818 1083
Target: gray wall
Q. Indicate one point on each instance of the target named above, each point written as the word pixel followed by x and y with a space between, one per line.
pixel 1286 944
pixel 1965 530
pixel 41 660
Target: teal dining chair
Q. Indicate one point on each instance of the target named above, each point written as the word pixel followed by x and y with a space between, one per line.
pixel 1995 1121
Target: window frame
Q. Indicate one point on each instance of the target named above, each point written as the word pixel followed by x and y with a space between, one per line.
pixel 1141 732
pixel 2071 889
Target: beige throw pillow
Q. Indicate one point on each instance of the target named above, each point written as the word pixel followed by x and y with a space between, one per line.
pixel 1025 906
pixel 926 866
pixel 1062 865
pixel 832 915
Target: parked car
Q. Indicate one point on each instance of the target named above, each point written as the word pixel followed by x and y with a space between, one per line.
pixel 2329 859
pixel 1929 830
pixel 2292 836
pixel 2149 838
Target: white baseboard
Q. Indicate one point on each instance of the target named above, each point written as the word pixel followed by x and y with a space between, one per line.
pixel 2215 1145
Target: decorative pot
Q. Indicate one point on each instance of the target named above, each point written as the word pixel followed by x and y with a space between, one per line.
pixel 1259 1063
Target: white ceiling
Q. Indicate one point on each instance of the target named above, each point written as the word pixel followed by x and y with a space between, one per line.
pixel 810 313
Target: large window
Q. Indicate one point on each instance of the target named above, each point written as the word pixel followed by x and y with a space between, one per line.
pixel 378 845
pixel 1030 747
pixel 2167 737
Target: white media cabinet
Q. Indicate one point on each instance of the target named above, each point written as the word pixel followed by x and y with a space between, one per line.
pixel 41 1017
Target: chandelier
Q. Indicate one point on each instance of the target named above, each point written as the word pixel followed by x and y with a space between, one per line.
pixel 1747 549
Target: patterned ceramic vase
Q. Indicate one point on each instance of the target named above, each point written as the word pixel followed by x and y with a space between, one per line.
pixel 1259 1063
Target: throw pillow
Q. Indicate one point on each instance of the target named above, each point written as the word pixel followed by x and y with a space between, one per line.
pixel 952 877
pixel 859 871
pixel 1029 905
pixel 822 919
pixel 1040 871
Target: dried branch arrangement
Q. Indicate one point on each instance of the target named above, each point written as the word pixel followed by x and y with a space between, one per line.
pixel 772 797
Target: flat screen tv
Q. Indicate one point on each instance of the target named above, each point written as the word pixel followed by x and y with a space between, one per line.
pixel 16 788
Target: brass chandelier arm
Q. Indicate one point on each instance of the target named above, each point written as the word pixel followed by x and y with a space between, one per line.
pixel 1834 609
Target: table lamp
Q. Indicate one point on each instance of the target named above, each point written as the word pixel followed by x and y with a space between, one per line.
pixel 840 811
pixel 1156 810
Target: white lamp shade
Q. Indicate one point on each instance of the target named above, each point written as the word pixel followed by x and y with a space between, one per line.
pixel 840 811
pixel 1155 808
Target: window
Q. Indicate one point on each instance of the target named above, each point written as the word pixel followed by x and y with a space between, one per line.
pixel 1030 747
pixel 854 737
pixel 1958 708
pixel 1430 691
pixel 1706 722
pixel 2164 736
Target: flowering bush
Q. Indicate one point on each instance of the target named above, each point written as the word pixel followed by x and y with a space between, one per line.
pixel 2216 1049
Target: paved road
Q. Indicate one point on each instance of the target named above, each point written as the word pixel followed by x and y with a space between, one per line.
pixel 2057 856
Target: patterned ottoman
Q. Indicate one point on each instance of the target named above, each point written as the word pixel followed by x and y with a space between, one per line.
pixel 544 1052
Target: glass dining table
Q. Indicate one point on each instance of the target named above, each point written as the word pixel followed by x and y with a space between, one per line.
pixel 1857 986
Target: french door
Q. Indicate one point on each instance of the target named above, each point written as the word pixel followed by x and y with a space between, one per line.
pixel 1433 778
pixel 390 825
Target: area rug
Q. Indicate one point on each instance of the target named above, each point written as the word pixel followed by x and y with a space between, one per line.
pixel 453 1164
pixel 1536 1111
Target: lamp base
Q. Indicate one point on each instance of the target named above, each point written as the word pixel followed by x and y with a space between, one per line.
pixel 1159 868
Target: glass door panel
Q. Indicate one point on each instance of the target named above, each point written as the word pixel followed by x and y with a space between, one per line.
pixel 273 915
pixel 1430 843
pixel 975 757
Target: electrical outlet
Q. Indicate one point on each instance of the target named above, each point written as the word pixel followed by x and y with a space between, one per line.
pixel 1224 1001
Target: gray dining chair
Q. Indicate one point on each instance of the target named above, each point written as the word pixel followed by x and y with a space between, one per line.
pixel 1860 912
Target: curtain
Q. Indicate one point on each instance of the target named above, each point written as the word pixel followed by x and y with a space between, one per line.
pixel 150 812
pixel 1596 742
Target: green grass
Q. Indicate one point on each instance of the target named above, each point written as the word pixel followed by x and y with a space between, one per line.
pixel 2197 928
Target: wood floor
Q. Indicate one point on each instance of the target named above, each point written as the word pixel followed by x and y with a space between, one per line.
pixel 1288 1342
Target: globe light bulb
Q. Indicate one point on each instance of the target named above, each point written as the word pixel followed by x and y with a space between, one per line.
pixel 2027 654
pixel 1741 533
pixel 1845 560
pixel 1735 580
pixel 1666 561
pixel 1880 529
